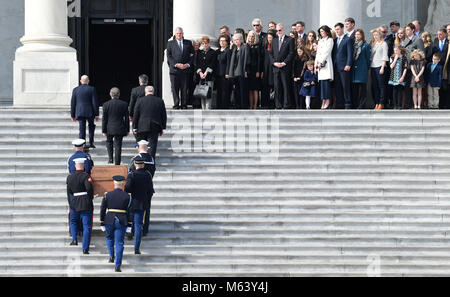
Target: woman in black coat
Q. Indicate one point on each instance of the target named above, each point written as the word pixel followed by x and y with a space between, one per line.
pixel 222 77
pixel 267 75
pixel 254 75
pixel 238 69
pixel 205 67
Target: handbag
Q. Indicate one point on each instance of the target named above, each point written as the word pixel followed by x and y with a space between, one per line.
pixel 202 90
pixel 307 84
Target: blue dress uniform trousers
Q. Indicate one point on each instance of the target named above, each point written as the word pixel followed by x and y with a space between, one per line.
pixel 85 216
pixel 138 224
pixel 115 234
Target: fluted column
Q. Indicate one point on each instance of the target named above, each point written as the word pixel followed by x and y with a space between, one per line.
pixel 45 67
pixel 334 11
pixel 197 18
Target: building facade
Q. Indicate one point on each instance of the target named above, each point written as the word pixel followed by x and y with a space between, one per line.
pixel 113 41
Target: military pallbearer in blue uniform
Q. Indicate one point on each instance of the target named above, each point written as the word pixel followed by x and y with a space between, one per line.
pixel 80 198
pixel 140 186
pixel 116 219
pixel 80 152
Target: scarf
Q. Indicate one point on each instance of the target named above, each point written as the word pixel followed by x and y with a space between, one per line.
pixel 357 48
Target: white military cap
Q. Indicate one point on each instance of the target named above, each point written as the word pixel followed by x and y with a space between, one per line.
pixel 79 160
pixel 142 142
pixel 79 142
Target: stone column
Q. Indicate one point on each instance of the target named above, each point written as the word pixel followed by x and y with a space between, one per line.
pixel 45 67
pixel 197 18
pixel 335 11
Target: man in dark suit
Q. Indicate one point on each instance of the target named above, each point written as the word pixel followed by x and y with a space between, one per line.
pixel 343 61
pixel 180 53
pixel 137 93
pixel 84 107
pixel 282 53
pixel 300 29
pixel 257 27
pixel 150 119
pixel 350 27
pixel 115 125
pixel 440 45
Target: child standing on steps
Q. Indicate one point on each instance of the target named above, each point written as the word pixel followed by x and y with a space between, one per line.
pixel 399 68
pixel 310 80
pixel 418 80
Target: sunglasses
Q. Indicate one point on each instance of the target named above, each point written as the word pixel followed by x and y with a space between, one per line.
pixel 256 25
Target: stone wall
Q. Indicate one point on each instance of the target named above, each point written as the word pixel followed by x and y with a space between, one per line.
pixel 11 30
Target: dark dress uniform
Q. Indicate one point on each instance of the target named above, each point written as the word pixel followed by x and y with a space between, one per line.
pixel 115 216
pixel 80 198
pixel 115 125
pixel 140 186
pixel 149 163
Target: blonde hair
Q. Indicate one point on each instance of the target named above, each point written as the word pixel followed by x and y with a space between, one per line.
pixel 376 30
pixel 417 52
pixel 428 39
pixel 256 37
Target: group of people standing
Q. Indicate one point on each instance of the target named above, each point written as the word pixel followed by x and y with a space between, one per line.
pixel 255 69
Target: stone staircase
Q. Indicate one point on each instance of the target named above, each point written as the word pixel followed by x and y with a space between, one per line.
pixel 243 193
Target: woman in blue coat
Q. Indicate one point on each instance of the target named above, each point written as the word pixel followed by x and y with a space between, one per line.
pixel 360 69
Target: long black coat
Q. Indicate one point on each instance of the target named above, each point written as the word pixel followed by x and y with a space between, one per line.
pixel 149 109
pixel 206 61
pixel 84 103
pixel 223 60
pixel 136 93
pixel 115 118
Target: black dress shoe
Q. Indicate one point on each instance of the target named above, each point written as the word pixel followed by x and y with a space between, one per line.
pixel 86 252
pixel 184 107
pixel 74 242
pixel 137 252
pixel 117 269
pixel 176 107
pixel 111 260
pixel 91 145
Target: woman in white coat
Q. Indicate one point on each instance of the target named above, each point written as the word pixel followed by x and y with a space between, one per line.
pixel 324 65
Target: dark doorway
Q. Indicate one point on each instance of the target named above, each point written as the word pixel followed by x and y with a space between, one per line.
pixel 118 54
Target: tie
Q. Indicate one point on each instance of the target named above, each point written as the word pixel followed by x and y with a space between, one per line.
pixel 339 41
pixel 280 43
pixel 442 45
pixel 181 44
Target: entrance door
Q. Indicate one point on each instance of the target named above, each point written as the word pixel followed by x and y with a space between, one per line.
pixel 118 53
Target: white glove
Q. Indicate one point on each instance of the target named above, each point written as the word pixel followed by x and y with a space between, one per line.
pixel 128 229
pixel 103 228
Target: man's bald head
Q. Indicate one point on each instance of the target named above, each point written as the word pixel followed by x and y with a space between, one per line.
pixel 84 80
pixel 149 90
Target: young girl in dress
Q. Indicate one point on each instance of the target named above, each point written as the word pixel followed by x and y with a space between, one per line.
pixel 310 81
pixel 299 69
pixel 399 68
pixel 418 80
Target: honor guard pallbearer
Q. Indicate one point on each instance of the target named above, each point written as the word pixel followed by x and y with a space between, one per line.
pixel 80 198
pixel 79 146
pixel 140 186
pixel 116 219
